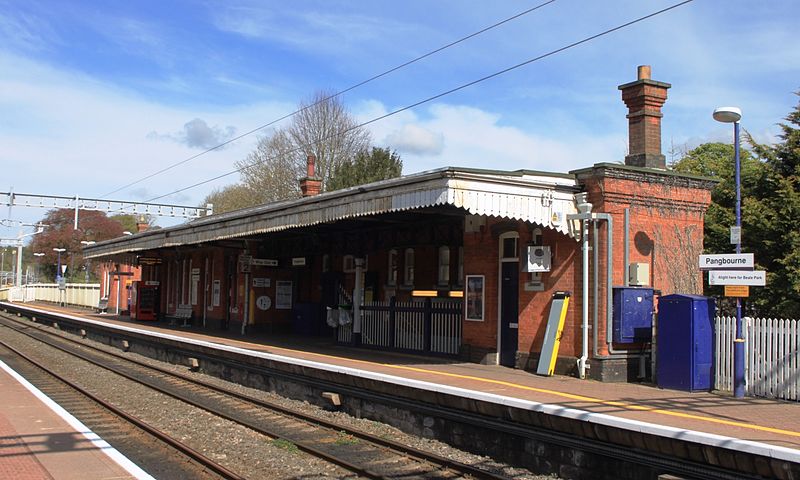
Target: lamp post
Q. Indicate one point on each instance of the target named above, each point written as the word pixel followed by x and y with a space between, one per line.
pixel 58 269
pixel 87 243
pixel 37 255
pixel 733 115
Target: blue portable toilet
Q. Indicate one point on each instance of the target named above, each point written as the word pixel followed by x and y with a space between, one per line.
pixel 685 342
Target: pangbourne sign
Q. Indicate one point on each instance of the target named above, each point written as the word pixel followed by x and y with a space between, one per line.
pixel 737 277
pixel 733 261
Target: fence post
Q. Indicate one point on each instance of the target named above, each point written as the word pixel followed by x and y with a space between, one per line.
pixel 392 312
pixel 426 339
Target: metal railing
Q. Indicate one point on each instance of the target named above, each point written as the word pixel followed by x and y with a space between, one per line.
pixel 429 326
pixel 79 294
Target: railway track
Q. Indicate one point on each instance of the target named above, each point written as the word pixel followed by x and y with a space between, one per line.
pixel 148 445
pixel 356 451
pixel 648 461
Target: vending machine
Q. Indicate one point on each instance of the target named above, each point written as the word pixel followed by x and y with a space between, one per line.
pixel 144 300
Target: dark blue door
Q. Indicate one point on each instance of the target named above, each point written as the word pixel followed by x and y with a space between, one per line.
pixel 509 314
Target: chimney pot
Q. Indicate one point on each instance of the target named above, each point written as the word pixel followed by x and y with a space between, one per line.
pixel 311 184
pixel 311 165
pixel 644 99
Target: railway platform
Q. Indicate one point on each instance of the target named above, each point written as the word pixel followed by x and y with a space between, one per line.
pixel 702 426
pixel 40 440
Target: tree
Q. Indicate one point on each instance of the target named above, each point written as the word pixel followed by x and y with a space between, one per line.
pixel 770 186
pixel 322 127
pixel 230 198
pixel 59 233
pixel 366 167
pixel 715 160
pixel 775 225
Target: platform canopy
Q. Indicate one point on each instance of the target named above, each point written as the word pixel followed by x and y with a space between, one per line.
pixel 541 198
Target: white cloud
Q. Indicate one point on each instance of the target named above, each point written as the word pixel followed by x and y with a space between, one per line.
pixel 415 140
pixel 197 134
pixel 472 137
pixel 24 32
pixel 65 134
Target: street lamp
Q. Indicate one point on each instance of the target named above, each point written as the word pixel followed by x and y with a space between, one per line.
pixel 733 115
pixel 38 255
pixel 58 270
pixel 87 243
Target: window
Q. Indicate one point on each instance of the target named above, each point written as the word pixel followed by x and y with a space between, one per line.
pixel 392 268
pixel 408 267
pixel 444 265
pixel 348 264
pixel 509 248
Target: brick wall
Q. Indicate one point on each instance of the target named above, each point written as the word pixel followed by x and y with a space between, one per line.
pixel 666 212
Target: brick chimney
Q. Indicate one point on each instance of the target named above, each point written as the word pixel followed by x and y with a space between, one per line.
pixel 644 99
pixel 141 224
pixel 310 185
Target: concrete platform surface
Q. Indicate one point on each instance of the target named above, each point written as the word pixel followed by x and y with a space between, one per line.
pixel 750 422
pixel 40 440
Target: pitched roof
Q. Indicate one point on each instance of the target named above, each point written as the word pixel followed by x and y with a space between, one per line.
pixel 536 197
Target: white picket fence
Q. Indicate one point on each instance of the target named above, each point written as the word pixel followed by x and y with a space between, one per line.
pixel 772 356
pixel 81 294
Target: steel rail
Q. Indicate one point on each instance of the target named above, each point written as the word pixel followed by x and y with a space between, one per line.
pixel 666 463
pixel 417 455
pixel 420 455
pixel 138 423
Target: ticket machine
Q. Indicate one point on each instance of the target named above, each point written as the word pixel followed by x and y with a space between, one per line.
pixel 144 300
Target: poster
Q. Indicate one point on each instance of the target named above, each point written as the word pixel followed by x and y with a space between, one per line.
pixel 195 281
pixel 215 292
pixel 283 295
pixel 475 292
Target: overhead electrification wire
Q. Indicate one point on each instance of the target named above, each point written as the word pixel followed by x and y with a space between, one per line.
pixel 334 95
pixel 445 93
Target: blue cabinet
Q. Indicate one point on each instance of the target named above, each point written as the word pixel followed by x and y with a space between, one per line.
pixel 685 346
pixel 632 316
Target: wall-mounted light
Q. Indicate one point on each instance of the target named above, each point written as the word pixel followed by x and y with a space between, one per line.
pixel 424 293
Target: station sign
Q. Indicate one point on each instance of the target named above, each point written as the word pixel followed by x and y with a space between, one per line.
pixel 298 261
pixel 264 262
pixel 148 260
pixel 737 291
pixel 733 261
pixel 736 277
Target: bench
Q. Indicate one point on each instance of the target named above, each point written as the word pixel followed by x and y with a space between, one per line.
pixel 184 313
pixel 102 306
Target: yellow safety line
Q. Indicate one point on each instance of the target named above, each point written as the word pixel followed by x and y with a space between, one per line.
pixel 571 396
pixel 629 406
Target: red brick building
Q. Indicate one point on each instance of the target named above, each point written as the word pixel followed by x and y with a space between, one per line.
pixel 442 262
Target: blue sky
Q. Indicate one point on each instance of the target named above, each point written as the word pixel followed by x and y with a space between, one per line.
pixel 94 95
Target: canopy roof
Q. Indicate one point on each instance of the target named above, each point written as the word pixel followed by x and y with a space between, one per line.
pixel 537 197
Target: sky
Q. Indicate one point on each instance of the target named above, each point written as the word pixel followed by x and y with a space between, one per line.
pixel 95 95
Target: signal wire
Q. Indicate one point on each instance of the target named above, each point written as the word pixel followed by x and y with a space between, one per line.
pixel 440 95
pixel 334 95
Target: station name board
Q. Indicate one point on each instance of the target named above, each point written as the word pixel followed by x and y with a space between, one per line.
pixel 744 261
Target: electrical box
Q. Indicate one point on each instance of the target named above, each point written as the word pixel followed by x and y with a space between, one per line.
pixel 539 259
pixel 632 318
pixel 685 352
pixel 638 274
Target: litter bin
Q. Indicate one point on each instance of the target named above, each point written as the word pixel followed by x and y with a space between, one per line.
pixel 685 348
